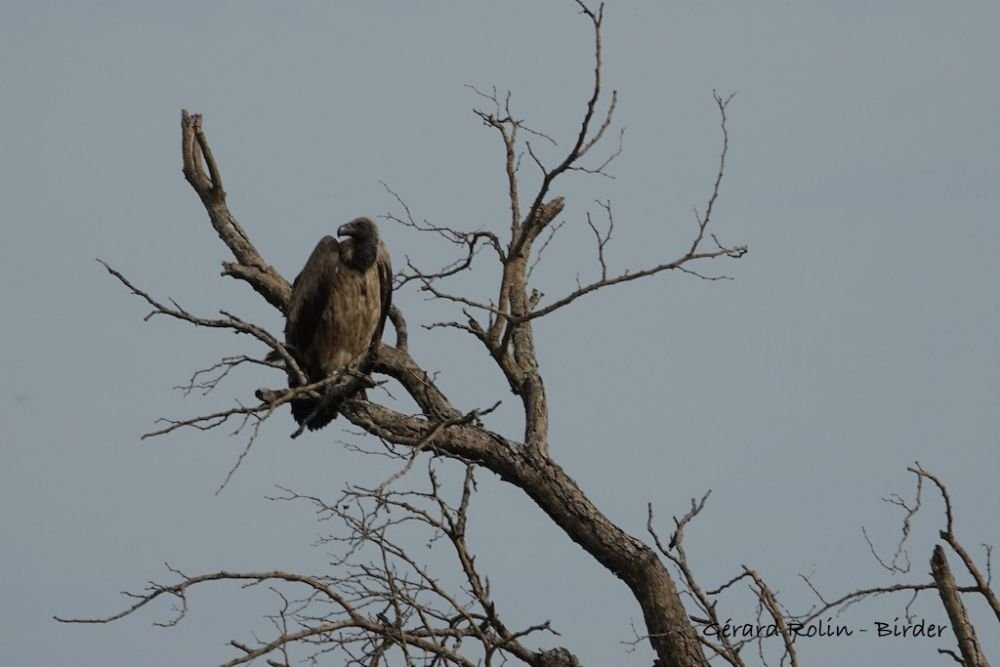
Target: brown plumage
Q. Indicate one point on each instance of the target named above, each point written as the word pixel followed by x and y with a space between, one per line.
pixel 337 311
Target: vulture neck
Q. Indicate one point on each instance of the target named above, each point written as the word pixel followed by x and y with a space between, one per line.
pixel 363 253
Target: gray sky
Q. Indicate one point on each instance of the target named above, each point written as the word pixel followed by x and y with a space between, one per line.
pixel 858 336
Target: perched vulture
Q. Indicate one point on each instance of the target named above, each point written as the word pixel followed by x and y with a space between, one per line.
pixel 337 311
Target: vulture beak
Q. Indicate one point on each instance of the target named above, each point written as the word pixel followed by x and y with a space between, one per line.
pixel 346 230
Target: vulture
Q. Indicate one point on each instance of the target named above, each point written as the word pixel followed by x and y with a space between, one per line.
pixel 337 312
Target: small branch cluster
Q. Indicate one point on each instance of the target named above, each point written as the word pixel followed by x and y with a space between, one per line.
pixel 382 606
pixel 782 622
pixel 469 241
pixel 724 645
pixel 229 321
pixel 942 578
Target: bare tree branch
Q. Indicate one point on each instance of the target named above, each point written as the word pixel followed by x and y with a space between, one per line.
pixel 249 265
pixel 676 553
pixel 230 321
pixel 770 603
pixel 968 644
pixel 948 535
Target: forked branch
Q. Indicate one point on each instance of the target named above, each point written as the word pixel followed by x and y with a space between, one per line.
pixel 249 265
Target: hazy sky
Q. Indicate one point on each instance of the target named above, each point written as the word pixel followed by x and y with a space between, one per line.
pixel 859 334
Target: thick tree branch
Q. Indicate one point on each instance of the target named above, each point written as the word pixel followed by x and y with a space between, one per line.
pixel 968 644
pixel 249 266
pixel 676 553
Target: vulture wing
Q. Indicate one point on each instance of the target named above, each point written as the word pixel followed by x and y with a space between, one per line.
pixel 310 308
pixel 384 267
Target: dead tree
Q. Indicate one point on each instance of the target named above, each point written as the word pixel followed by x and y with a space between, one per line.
pixel 382 601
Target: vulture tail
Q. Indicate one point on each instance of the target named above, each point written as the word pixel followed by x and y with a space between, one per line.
pixel 314 412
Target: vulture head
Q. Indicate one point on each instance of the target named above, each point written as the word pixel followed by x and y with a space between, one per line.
pixel 364 234
pixel 362 229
